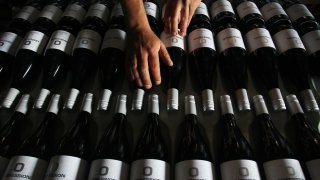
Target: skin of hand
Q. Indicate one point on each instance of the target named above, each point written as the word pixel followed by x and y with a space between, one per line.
pixel 179 12
pixel 143 46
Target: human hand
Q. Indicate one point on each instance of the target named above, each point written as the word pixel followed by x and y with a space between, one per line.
pixel 179 11
pixel 143 56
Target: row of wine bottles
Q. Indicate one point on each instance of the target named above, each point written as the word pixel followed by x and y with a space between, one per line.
pixel 38 158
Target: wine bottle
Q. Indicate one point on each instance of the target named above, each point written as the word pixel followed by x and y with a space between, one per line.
pixel 248 12
pixel 152 10
pixel 202 54
pixel 292 62
pixel 32 157
pixel 233 63
pixel 151 158
pixel 58 50
pixel 112 56
pixel 263 58
pixel 193 158
pixel 272 12
pixel 237 160
pixel 29 55
pixel 111 159
pixel 221 11
pixel 279 161
pixel 70 159
pixel 308 138
pixel 86 48
pixel 10 133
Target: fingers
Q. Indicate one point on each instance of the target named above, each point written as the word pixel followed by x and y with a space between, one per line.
pixel 135 72
pixel 184 20
pixel 155 67
pixel 164 55
pixel 175 20
pixel 144 70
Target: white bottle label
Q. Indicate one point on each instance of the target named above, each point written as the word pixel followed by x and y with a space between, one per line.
pixel 202 9
pixel 9 42
pixel 117 10
pixel 240 169
pixel 114 38
pixel 199 38
pixel 194 169
pixel 75 11
pixel 151 9
pixel 312 41
pixel 220 6
pixel 88 39
pixel 272 9
pixel 66 167
pixel 246 8
pixel 108 169
pixel 99 10
pixel 283 169
pixel 3 165
pixel 62 41
pixel 313 168
pixel 287 39
pixel 258 38
pixel 228 38
pixel 51 12
pixel 28 13
pixel 297 11
pixel 35 41
pixel 172 41
pixel 25 167
pixel 150 169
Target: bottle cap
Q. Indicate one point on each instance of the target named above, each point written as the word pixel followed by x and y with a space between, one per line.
pixel 72 97
pixel 242 100
pixel 153 103
pixel 308 100
pixel 190 105
pixel 226 105
pixel 121 106
pixel 293 104
pixel 104 99
pixel 44 93
pixel 207 100
pixel 277 99
pixel 259 105
pixel 54 104
pixel 10 97
pixel 87 103
pixel 23 104
pixel 137 100
pixel 172 99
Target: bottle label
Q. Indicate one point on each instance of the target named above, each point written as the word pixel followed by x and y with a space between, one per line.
pixel 240 169
pixel 28 13
pixel 228 38
pixel 220 6
pixel 258 38
pixel 272 9
pixel 51 12
pixel 199 38
pixel 283 169
pixel 99 10
pixel 3 165
pixel 151 9
pixel 312 41
pixel 287 39
pixel 297 11
pixel 62 41
pixel 66 167
pixel 114 38
pixel 149 169
pixel 75 11
pixel 88 39
pixel 108 169
pixel 117 11
pixel 9 42
pixel 25 167
pixel 172 41
pixel 194 169
pixel 246 8
pixel 202 9
pixel 313 168
pixel 34 41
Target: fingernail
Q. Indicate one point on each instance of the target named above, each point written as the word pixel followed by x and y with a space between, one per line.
pixel 171 63
pixel 158 82
pixel 148 86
